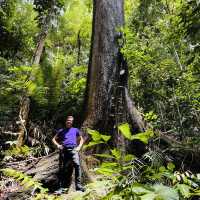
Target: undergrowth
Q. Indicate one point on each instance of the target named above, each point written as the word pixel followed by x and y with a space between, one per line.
pixel 124 176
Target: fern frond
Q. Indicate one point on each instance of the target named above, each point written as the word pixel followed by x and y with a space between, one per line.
pixel 155 157
pixel 24 180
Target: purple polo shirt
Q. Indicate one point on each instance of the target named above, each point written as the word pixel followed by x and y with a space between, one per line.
pixel 68 136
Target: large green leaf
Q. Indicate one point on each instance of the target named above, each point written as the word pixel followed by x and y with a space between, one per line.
pixel 96 136
pixel 125 130
pixel 143 137
pixel 108 168
pixel 165 193
pixel 196 192
pixel 155 192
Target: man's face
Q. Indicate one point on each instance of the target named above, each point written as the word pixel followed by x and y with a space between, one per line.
pixel 69 122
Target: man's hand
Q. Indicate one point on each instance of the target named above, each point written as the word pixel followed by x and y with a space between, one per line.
pixel 59 146
pixel 80 143
pixel 77 149
pixel 54 140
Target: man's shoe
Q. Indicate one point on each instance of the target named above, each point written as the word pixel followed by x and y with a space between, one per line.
pixel 80 188
pixel 61 190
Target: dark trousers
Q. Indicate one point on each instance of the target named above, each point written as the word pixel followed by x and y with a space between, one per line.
pixel 69 160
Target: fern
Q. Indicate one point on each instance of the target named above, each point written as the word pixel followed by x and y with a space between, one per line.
pixel 15 151
pixel 38 192
pixel 26 181
pixel 156 158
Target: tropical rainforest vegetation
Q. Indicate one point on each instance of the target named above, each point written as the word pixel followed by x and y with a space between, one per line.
pixel 129 73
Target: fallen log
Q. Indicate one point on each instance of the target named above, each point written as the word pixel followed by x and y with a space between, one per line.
pixel 46 170
pixel 183 154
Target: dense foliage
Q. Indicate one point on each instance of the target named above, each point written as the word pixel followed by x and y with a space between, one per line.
pixel 162 50
pixel 161 44
pixel 55 86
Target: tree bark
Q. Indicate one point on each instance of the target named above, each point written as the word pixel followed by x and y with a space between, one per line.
pixel 23 117
pixel 108 16
pixel 79 47
pixel 107 103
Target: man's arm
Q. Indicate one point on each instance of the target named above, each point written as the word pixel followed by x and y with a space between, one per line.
pixel 80 143
pixel 54 140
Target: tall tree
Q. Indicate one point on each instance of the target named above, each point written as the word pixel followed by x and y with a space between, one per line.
pixel 107 102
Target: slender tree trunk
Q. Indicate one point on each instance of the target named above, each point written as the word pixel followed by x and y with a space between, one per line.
pixel 107 102
pixel 79 47
pixel 40 46
pixel 25 100
pixel 23 117
pixel 177 59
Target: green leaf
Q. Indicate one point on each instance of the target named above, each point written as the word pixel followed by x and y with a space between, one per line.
pixel 170 166
pixel 109 164
pixel 125 130
pixel 96 136
pixel 128 157
pixel 116 153
pixel 127 167
pixel 149 196
pixel 197 192
pixel 106 137
pixel 165 193
pixel 139 189
pixel 104 155
pixel 143 137
pixel 106 171
pixel 28 184
pixel 162 169
pixel 92 143
pixel 184 190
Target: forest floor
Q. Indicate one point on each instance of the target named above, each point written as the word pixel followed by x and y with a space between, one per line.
pixel 12 190
pixel 13 187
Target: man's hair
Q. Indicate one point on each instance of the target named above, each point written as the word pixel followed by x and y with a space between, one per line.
pixel 70 117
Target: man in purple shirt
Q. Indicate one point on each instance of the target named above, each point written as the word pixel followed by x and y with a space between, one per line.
pixel 69 141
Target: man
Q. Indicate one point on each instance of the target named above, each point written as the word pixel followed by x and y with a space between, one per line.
pixel 69 141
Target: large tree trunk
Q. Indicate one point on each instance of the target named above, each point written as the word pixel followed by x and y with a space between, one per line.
pixel 107 103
